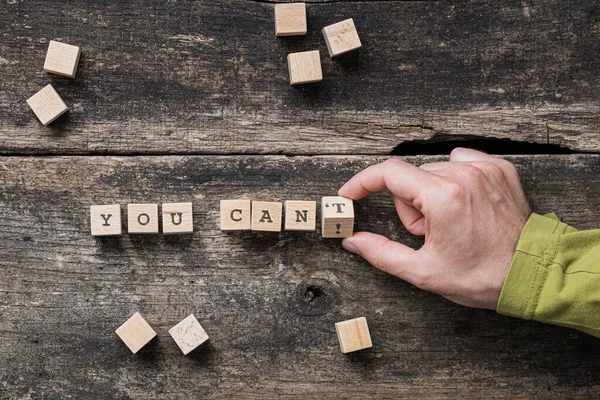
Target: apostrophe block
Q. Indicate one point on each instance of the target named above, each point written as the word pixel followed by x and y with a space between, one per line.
pixel 235 215
pixel 142 218
pixel 337 217
pixel 341 38
pixel 266 216
pixel 62 59
pixel 305 67
pixel 177 218
pixel 290 19
pixel 353 335
pixel 136 333
pixel 47 105
pixel 300 215
pixel 188 334
pixel 105 220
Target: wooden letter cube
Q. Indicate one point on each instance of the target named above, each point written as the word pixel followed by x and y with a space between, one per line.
pixel 62 59
pixel 135 333
pixel 341 38
pixel 353 335
pixel 47 105
pixel 305 67
pixel 337 217
pixel 266 216
pixel 235 215
pixel 188 334
pixel 142 218
pixel 105 220
pixel 290 19
pixel 300 215
pixel 177 218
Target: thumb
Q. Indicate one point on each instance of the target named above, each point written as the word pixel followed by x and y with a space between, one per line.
pixel 387 255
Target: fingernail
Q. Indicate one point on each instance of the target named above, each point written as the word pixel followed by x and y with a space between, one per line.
pixel 348 245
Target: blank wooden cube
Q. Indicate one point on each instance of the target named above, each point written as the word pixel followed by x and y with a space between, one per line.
pixel 341 38
pixel 235 215
pixel 188 334
pixel 136 332
pixel 353 335
pixel 105 220
pixel 337 217
pixel 142 218
pixel 300 215
pixel 62 59
pixel 47 105
pixel 178 218
pixel 305 67
pixel 290 19
pixel 266 216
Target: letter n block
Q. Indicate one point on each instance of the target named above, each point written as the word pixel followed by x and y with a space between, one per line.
pixel 235 215
pixel 266 216
pixel 178 218
pixel 353 335
pixel 337 217
pixel 142 218
pixel 105 220
pixel 300 215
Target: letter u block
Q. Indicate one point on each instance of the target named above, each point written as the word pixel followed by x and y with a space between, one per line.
pixel 105 220
pixel 177 218
pixel 235 215
pixel 142 218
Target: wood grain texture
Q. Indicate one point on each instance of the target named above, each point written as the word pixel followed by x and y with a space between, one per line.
pixel 210 78
pixel 268 300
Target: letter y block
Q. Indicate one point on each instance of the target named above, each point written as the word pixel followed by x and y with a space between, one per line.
pixel 105 220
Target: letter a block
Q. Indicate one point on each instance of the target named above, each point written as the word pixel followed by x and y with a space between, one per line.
pixel 341 38
pixel 266 216
pixel 177 218
pixel 105 220
pixel 188 334
pixel 142 218
pixel 337 217
pixel 135 332
pixel 353 335
pixel 235 215
pixel 300 215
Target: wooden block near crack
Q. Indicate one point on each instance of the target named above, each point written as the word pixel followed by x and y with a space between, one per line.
pixel 105 220
pixel 305 67
pixel 136 332
pixel 47 105
pixel 178 218
pixel 188 334
pixel 353 335
pixel 290 19
pixel 235 215
pixel 142 218
pixel 62 59
pixel 266 216
pixel 337 217
pixel 341 38
pixel 300 215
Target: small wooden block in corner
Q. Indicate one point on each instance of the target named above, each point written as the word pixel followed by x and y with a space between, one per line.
pixel 300 215
pixel 188 334
pixel 235 215
pixel 290 19
pixel 178 218
pixel 337 217
pixel 47 105
pixel 135 332
pixel 305 67
pixel 353 335
pixel 341 38
pixel 142 218
pixel 105 220
pixel 62 59
pixel 266 216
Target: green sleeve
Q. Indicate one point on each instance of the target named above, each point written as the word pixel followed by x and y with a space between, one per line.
pixel 555 276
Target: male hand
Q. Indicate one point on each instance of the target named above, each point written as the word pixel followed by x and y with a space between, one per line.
pixel 471 211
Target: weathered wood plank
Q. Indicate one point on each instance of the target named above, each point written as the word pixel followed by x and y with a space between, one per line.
pixel 268 301
pixel 211 78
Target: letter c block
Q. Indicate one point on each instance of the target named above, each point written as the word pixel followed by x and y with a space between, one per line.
pixel 235 215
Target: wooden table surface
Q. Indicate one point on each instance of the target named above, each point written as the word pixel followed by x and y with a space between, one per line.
pixel 190 101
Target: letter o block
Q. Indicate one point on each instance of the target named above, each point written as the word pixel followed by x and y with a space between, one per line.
pixel 142 218
pixel 266 216
pixel 105 220
pixel 178 218
pixel 235 215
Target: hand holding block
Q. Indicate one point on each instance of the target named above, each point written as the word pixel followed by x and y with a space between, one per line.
pixel 188 334
pixel 136 333
pixel 177 218
pixel 47 105
pixel 266 216
pixel 305 67
pixel 62 59
pixel 290 19
pixel 337 217
pixel 300 215
pixel 105 220
pixel 235 215
pixel 142 218
pixel 341 38
pixel 353 335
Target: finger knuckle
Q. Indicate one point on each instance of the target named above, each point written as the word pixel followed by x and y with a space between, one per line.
pixel 470 172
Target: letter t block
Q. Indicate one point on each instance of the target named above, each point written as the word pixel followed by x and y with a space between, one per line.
pixel 337 217
pixel 105 220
